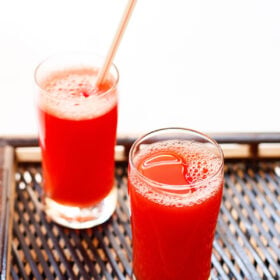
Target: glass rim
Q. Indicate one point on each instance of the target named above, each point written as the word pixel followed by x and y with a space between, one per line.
pixel 78 53
pixel 181 187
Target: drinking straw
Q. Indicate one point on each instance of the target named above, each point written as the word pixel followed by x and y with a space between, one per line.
pixel 115 43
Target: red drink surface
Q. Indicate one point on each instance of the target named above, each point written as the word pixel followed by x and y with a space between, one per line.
pixel 77 135
pixel 173 229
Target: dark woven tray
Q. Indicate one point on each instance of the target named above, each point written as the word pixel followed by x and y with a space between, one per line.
pixel 247 242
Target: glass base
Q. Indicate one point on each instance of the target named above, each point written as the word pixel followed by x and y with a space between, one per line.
pixel 134 278
pixel 79 218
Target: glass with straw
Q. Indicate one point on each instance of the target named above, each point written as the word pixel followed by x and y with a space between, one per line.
pixel 77 101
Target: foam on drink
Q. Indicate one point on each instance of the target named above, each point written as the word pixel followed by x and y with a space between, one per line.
pixel 71 94
pixel 195 163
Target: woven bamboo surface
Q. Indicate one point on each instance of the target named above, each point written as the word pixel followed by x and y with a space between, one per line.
pixel 247 242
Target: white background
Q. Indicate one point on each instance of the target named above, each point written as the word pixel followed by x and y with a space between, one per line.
pixel 212 65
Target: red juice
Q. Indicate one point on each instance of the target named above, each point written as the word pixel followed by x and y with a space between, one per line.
pixel 175 190
pixel 77 133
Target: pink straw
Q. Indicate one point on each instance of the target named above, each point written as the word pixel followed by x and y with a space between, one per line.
pixel 115 44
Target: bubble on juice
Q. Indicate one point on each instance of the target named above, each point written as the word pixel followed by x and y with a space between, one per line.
pixel 201 163
pixel 167 168
pixel 72 94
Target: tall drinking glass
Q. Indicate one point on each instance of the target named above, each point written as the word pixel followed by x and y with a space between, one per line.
pixel 77 134
pixel 175 188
